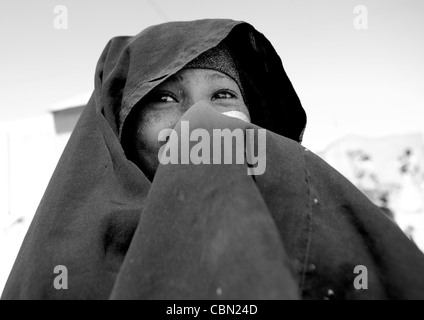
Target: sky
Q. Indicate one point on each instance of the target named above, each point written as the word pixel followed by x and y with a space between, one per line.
pixel 351 81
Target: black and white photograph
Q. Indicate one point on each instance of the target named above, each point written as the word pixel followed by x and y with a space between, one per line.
pixel 212 150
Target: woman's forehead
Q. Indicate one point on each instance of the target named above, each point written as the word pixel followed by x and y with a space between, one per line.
pixel 196 75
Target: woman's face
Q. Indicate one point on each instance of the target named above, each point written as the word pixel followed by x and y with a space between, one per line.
pixel 163 107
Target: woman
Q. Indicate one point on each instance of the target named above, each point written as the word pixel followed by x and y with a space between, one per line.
pixel 126 226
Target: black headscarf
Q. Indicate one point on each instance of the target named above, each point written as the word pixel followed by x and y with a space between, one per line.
pixel 205 231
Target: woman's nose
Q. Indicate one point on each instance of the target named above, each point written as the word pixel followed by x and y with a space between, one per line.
pixel 235 113
pixel 190 103
pixel 216 106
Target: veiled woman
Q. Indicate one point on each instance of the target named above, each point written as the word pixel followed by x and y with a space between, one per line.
pixel 126 226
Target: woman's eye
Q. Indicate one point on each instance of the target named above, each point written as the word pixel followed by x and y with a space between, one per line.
pixel 165 98
pixel 224 94
pixel 162 97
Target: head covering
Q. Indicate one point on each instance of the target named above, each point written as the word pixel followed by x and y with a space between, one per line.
pixel 218 58
pixel 205 231
pixel 154 58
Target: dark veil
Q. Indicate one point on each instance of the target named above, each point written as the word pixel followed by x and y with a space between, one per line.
pixel 205 232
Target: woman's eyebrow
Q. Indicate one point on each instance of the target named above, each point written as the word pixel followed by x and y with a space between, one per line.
pixel 175 78
pixel 212 77
pixel 216 77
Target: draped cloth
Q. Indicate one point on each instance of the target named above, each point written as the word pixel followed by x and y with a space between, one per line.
pixel 205 231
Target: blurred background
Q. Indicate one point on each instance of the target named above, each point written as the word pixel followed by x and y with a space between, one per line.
pixel 357 66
